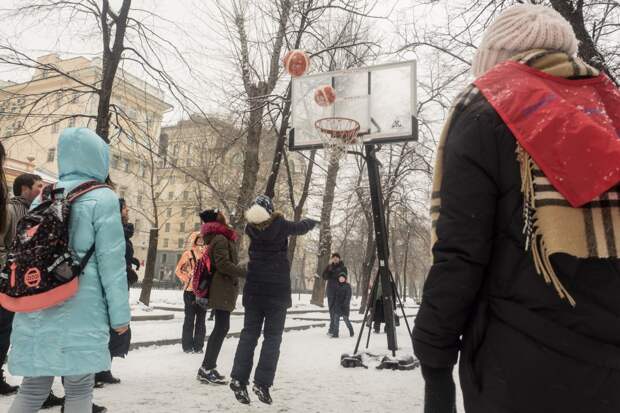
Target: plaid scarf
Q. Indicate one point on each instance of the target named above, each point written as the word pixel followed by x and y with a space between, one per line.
pixel 552 225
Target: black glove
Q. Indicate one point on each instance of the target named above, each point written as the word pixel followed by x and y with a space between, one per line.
pixel 439 391
pixel 313 222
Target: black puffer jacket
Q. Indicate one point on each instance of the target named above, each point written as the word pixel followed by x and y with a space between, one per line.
pixel 342 297
pixel 130 260
pixel 268 282
pixel 331 274
pixel 523 349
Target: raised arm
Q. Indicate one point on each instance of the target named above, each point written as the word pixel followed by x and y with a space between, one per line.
pixel 299 228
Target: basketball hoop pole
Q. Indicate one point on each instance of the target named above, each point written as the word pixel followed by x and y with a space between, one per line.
pixel 385 275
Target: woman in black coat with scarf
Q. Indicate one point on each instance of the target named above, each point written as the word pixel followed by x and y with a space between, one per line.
pixel 266 296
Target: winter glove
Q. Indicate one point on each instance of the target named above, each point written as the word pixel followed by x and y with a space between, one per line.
pixel 313 222
pixel 439 391
pixel 202 302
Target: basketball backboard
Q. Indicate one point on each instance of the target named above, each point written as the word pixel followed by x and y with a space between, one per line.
pixel 381 98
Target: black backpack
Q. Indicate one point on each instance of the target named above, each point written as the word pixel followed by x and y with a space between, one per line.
pixel 41 270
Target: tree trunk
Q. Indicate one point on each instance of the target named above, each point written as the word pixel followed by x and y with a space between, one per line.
pixel 110 61
pixel 325 236
pixel 572 10
pixel 251 166
pixel 149 271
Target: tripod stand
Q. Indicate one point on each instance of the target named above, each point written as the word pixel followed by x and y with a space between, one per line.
pixel 384 276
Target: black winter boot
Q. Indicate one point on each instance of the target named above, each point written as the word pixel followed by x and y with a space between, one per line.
pixel 53 401
pixel 263 393
pixel 105 377
pixel 5 388
pixel 241 391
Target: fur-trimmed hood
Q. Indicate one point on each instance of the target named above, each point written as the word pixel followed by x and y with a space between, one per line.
pixel 259 218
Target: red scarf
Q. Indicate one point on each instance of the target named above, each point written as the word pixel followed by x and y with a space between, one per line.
pixel 570 128
pixel 218 229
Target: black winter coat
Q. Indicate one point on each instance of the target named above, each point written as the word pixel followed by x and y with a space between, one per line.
pixel 523 349
pixel 331 275
pixel 130 260
pixel 342 298
pixel 268 280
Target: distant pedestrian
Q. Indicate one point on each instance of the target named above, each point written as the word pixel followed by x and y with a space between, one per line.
pixel 194 328
pixel 342 305
pixel 266 297
pixel 330 274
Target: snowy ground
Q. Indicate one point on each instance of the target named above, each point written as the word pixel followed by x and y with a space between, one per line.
pixel 309 379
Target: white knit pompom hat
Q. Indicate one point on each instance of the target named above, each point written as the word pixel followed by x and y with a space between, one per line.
pixel 521 28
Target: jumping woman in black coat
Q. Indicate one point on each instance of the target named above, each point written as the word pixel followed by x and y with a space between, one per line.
pixel 266 297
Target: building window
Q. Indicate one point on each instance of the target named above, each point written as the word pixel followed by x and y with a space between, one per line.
pixel 123 192
pixel 126 165
pixel 167 227
pixel 166 242
pixel 136 225
pixel 182 227
pixel 188 178
pixel 75 98
pixel 72 122
pixel 115 161
pixel 141 170
pixel 185 195
pixel 181 243
pixel 139 200
pixel 51 155
pixel 170 196
pixel 164 258
pixel 55 127
pixel 172 179
pixel 168 212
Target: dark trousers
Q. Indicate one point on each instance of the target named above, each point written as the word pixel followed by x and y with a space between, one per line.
pixel 274 319
pixel 194 328
pixel 337 324
pixel 6 325
pixel 216 338
pixel 331 304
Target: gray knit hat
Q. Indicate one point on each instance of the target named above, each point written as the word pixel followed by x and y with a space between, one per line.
pixel 519 29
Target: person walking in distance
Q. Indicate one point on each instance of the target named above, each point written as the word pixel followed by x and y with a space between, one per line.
pixel 119 343
pixel 266 297
pixel 221 247
pixel 524 286
pixel 342 305
pixel 75 333
pixel 330 274
pixel 194 328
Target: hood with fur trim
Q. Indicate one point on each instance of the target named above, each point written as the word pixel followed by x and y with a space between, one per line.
pixel 259 218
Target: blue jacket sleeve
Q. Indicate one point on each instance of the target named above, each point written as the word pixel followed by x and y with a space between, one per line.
pixel 110 253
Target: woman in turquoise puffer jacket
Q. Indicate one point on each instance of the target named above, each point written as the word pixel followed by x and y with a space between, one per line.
pixel 71 339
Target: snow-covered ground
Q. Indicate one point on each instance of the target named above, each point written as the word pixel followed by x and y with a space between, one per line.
pixel 309 378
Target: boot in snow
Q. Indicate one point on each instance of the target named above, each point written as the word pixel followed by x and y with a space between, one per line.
pixel 105 377
pixel 241 391
pixel 210 376
pixel 263 393
pixel 53 401
pixel 5 388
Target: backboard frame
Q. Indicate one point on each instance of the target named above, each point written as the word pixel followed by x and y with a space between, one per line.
pixel 365 136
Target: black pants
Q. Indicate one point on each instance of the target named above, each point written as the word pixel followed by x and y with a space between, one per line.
pixel 216 338
pixel 331 304
pixel 336 327
pixel 274 319
pixel 6 325
pixel 194 328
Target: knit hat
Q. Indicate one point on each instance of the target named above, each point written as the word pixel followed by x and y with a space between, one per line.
pixel 265 202
pixel 521 28
pixel 209 215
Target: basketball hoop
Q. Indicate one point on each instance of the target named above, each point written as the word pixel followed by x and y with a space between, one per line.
pixel 337 134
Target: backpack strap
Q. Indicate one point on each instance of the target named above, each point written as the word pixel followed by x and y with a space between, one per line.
pixel 85 188
pixel 84 261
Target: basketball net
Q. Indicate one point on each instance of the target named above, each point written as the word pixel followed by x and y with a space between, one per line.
pixel 337 135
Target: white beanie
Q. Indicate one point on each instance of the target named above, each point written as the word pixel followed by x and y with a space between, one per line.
pixel 521 28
